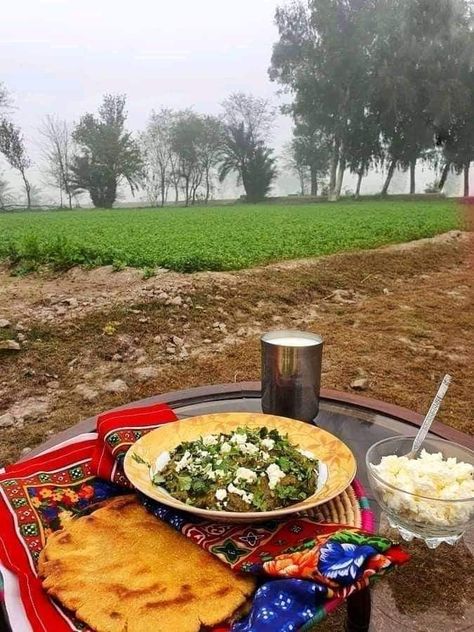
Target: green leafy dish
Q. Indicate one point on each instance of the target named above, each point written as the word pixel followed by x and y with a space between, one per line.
pixel 246 470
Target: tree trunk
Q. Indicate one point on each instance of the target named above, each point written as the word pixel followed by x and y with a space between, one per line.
pixel 163 189
pixel 340 176
pixel 332 196
pixel 27 189
pixel 466 179
pixel 360 175
pixel 314 182
pixel 388 179
pixel 176 194
pixel 208 186
pixel 412 177
pixel 69 195
pixel 186 191
pixel 444 176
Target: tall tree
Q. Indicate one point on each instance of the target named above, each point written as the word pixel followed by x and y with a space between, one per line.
pixel 57 150
pixel 12 146
pixel 187 134
pixel 108 154
pixel 210 149
pixel 313 149
pixel 323 58
pixel 158 156
pixel 363 146
pixel 415 88
pixel 452 100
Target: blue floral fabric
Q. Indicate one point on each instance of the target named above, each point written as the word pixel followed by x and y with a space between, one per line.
pixel 283 605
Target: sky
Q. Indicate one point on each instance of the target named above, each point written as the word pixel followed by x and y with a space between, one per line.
pixel 61 56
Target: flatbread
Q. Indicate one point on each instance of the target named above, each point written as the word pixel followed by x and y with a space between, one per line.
pixel 122 570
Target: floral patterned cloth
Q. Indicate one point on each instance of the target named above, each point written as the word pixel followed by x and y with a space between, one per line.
pixel 307 568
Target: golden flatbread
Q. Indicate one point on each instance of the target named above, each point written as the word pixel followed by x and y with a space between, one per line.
pixel 122 570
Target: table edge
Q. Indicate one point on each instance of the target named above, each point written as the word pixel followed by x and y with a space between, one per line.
pixel 253 390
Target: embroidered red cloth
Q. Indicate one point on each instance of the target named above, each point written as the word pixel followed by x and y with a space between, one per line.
pixel 41 494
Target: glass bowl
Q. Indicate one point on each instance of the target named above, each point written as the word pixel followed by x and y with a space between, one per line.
pixel 416 516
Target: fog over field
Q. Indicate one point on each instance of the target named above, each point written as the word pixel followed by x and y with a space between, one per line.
pixel 60 57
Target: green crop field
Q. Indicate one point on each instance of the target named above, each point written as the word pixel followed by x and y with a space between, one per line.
pixel 217 238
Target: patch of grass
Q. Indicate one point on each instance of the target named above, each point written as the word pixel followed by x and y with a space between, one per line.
pixel 215 238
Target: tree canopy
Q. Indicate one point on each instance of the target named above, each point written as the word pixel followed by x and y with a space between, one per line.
pixel 108 154
pixel 379 79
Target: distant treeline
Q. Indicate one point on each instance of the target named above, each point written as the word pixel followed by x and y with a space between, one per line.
pixel 374 83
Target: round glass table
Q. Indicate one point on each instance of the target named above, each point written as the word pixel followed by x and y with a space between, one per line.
pixel 433 592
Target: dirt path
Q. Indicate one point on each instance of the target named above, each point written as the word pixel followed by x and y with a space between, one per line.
pixel 399 317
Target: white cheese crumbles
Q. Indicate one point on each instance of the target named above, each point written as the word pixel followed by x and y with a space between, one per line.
pixel 238 439
pixel 210 440
pixel 160 464
pixel 250 469
pixel 221 493
pixel 247 497
pixel 275 474
pixel 428 479
pixel 184 461
pixel 268 444
pixel 245 474
pixel 248 448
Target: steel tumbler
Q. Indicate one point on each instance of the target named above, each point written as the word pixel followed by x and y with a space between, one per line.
pixel 291 373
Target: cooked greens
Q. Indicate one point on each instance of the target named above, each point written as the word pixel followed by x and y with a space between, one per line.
pixel 247 470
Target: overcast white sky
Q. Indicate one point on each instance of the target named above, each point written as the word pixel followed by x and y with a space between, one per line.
pixel 61 56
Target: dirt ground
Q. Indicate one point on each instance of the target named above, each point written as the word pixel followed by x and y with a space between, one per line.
pixel 398 317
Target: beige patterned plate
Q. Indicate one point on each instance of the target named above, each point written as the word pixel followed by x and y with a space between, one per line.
pixel 338 471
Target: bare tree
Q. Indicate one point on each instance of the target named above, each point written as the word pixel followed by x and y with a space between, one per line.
pixel 12 146
pixel 57 150
pixel 210 149
pixel 158 155
pixel 256 115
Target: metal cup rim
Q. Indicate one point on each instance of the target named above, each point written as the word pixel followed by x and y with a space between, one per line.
pixel 282 333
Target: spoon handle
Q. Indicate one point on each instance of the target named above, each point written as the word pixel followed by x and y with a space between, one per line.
pixel 431 414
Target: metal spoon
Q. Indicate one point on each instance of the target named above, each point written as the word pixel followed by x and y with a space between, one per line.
pixel 430 415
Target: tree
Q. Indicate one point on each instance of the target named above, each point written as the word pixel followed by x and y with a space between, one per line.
pixel 212 140
pixel 363 146
pixel 56 147
pixel 251 159
pixel 417 55
pixel 254 113
pixel 294 161
pixel 158 155
pixel 108 153
pixel 323 58
pixel 247 124
pixel 186 136
pixel 452 103
pixel 12 146
pixel 313 149
pixel 196 143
